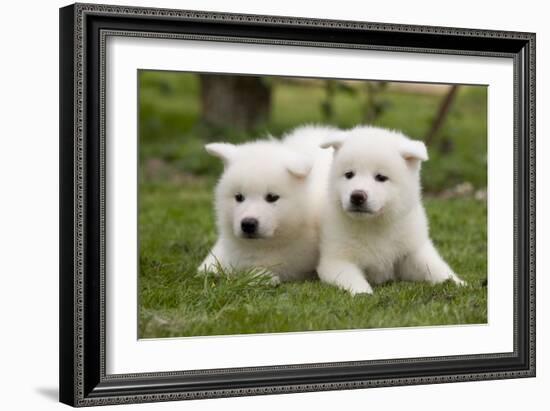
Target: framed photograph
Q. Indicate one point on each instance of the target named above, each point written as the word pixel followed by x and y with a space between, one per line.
pixel 261 204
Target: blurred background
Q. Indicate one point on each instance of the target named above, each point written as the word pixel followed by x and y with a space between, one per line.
pixel 180 112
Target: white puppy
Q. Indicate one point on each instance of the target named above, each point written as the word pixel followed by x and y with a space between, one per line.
pixel 268 204
pixel 374 227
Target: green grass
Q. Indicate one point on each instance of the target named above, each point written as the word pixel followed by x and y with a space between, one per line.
pixel 176 221
pixel 177 229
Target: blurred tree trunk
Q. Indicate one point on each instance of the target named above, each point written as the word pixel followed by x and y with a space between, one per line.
pixel 239 102
pixel 441 115
pixel 375 103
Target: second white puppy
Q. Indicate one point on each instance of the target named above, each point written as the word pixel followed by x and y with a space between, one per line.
pixel 374 227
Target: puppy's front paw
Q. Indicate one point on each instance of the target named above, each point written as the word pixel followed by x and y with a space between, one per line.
pixel 354 284
pixel 359 288
pixel 208 268
pixel 263 275
pixel 456 279
pixel 275 280
pixel 344 275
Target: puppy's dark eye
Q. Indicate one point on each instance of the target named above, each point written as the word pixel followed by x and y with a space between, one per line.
pixel 271 198
pixel 349 175
pixel 239 198
pixel 380 178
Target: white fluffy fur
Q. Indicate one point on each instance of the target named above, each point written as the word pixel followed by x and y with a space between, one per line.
pixel 388 237
pixel 294 168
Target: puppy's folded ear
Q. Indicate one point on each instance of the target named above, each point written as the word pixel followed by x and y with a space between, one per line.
pixel 225 151
pixel 298 165
pixel 413 151
pixel 335 141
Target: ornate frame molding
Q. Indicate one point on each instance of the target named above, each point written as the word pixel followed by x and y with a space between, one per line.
pixel 82 336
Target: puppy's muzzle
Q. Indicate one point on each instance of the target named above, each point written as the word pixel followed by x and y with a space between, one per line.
pixel 358 198
pixel 249 226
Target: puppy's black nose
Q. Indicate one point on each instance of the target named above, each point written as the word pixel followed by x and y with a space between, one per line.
pixel 249 225
pixel 358 197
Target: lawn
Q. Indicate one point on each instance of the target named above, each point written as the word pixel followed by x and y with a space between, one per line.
pixel 176 220
pixel 177 230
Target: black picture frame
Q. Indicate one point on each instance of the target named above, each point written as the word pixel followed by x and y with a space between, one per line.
pixel 83 29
